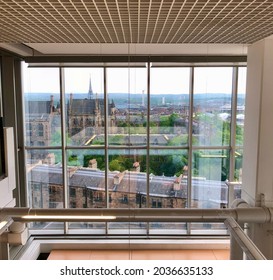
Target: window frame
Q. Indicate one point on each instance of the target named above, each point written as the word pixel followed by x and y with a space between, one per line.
pixel 231 148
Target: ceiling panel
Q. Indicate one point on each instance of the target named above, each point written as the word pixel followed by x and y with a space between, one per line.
pixel 135 21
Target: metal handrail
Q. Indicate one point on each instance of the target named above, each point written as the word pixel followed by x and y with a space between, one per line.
pixel 241 215
pixel 250 249
pixel 229 216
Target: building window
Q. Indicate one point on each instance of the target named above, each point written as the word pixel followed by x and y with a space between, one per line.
pixel 98 197
pixel 148 151
pixel 37 187
pixel 124 199
pixel 156 203
pixel 72 192
pixel 29 130
pixel 73 204
pixel 40 130
pixel 52 190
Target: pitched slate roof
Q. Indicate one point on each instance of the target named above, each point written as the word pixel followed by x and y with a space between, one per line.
pixel 38 107
pixel 87 106
pixel 133 182
pixel 46 174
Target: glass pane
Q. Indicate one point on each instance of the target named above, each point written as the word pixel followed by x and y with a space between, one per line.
pixel 169 113
pixel 209 186
pixel 45 183
pixel 127 183
pixel 240 114
pixel 84 91
pixel 209 174
pixel 86 178
pixel 168 178
pixel 86 183
pixel 212 106
pixel 127 178
pixel 127 115
pixel 168 183
pixel 42 107
pixel 209 229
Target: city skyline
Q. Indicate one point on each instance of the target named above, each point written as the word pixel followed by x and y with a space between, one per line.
pixel 210 80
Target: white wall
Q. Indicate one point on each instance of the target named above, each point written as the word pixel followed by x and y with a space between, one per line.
pixel 258 148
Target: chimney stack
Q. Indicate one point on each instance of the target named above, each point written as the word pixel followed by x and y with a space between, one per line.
pixel 185 171
pixel 177 183
pixel 93 164
pixel 136 166
pixel 118 178
pixel 50 159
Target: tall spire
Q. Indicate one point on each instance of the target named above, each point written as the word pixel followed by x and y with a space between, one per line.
pixel 90 91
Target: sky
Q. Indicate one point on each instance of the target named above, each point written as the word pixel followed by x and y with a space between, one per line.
pixel 124 80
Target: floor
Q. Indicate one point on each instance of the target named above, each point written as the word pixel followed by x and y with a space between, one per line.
pixel 139 255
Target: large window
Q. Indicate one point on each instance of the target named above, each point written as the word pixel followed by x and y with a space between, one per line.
pixel 133 137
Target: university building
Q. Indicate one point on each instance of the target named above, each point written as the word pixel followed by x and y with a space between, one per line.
pixel 41 121
pixel 86 116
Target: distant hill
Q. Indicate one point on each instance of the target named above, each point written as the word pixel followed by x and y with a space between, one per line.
pixel 122 99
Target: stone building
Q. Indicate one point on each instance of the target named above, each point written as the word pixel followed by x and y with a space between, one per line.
pixel 86 117
pixel 127 189
pixel 41 121
pixel 46 185
pixel 87 189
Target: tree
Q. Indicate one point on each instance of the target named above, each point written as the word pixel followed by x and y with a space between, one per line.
pixel 116 165
pixel 99 158
pixel 239 135
pixel 172 118
pixel 168 165
pixel 73 160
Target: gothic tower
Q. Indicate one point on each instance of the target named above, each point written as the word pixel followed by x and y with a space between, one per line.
pixel 90 91
pixel 98 121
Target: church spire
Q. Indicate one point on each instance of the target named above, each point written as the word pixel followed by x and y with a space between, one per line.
pixel 90 91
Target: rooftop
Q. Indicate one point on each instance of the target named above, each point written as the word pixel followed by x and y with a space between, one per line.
pixel 132 182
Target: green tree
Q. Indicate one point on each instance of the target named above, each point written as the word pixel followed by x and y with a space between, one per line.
pixel 239 135
pixel 168 165
pixel 99 158
pixel 116 165
pixel 172 118
pixel 164 121
pixel 73 160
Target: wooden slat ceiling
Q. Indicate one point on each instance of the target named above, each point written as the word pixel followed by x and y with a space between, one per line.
pixel 135 21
